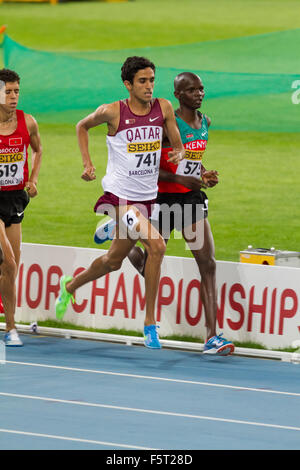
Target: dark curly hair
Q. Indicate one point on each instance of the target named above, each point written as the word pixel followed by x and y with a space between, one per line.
pixel 132 65
pixel 7 75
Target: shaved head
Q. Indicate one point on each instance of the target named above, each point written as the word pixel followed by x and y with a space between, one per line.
pixel 183 79
pixel 189 90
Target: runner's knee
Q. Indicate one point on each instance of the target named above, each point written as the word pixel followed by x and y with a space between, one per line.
pixel 113 263
pixel 157 248
pixel 9 266
pixel 208 265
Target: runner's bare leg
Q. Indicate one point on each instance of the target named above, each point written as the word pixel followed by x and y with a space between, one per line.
pixel 205 259
pixel 119 249
pixel 8 275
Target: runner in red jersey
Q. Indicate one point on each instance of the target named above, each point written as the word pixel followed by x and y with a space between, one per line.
pixel 18 131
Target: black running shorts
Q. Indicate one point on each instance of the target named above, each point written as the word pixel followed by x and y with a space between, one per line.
pixel 179 210
pixel 12 206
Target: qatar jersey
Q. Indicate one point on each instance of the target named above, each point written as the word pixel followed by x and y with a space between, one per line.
pixel 134 154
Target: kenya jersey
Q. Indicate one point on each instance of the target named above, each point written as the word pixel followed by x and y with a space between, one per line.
pixel 14 156
pixel 134 154
pixel 194 141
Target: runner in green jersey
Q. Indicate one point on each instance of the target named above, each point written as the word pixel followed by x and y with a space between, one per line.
pixel 182 185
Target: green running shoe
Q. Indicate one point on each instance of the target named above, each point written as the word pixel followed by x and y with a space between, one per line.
pixel 62 301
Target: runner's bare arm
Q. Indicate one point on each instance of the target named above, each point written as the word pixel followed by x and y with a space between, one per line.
pixel 106 113
pixel 190 182
pixel 208 119
pixel 210 177
pixel 36 154
pixel 172 131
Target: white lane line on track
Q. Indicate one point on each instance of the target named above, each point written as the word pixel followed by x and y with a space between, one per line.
pixel 165 379
pixel 73 439
pixel 155 412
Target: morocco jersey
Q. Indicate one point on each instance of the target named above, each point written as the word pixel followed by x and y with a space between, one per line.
pixel 14 156
pixel 134 154
pixel 195 142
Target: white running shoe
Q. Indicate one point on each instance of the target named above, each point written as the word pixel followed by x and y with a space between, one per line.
pixel 11 338
pixel 105 231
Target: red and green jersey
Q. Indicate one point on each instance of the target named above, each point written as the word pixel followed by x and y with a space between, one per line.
pixel 195 142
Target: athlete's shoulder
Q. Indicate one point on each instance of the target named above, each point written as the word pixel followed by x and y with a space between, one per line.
pixel 29 118
pixel 109 109
pixel 105 113
pixel 166 107
pixel 31 123
pixel 164 102
pixel 208 120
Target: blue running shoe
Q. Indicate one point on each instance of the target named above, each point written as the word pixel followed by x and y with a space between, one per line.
pixel 105 231
pixel 218 345
pixel 151 338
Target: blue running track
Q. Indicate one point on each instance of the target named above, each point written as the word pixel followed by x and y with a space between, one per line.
pixel 69 394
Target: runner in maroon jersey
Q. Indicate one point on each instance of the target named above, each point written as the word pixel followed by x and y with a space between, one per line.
pixel 135 129
pixel 18 131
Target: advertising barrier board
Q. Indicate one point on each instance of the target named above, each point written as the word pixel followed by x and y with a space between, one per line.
pixel 256 303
